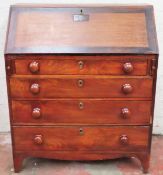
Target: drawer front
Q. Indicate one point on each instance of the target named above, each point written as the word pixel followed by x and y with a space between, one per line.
pixel 80 86
pixel 81 111
pixel 81 138
pixel 81 66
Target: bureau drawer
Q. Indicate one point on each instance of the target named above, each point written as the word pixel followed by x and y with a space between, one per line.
pixel 80 138
pixel 82 65
pixel 83 111
pixel 80 86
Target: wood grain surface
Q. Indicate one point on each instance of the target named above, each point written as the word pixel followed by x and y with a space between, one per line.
pixel 85 89
pixel 68 86
pixel 70 138
pixel 108 30
pixel 81 66
pixel 93 111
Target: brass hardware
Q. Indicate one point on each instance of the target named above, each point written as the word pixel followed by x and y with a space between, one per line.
pixel 8 67
pixel 153 67
pixel 81 64
pixel 81 132
pixel 80 83
pixel 81 105
pixel 80 17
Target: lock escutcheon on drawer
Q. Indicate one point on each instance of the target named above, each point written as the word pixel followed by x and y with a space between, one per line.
pixel 80 83
pixel 81 131
pixel 81 64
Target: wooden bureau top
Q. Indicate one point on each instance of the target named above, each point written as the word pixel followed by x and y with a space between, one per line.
pixel 81 30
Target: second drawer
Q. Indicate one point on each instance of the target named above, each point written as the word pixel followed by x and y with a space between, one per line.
pixel 80 86
pixel 82 111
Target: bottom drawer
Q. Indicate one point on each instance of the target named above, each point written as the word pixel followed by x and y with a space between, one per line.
pixel 82 138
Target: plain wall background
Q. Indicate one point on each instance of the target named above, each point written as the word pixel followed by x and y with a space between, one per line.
pixel 4 10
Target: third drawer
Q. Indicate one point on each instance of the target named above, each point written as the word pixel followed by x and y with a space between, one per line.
pixel 82 111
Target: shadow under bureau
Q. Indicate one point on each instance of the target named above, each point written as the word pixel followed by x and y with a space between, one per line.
pixel 81 81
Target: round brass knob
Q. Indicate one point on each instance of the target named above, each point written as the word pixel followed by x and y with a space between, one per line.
pixel 38 139
pixel 128 68
pixel 124 139
pixel 35 89
pixel 80 83
pixel 34 66
pixel 36 113
pixel 125 113
pixel 127 88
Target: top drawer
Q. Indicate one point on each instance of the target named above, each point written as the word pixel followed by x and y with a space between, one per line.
pixel 81 65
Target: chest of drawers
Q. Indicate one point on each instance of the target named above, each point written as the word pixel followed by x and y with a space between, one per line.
pixel 81 82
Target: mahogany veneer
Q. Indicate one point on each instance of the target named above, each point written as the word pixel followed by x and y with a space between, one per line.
pixel 81 81
pixel 80 86
pixel 83 138
pixel 84 111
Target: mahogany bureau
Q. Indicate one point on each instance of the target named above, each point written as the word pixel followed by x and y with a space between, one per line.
pixel 81 81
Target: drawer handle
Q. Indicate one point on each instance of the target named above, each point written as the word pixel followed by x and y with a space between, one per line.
pixel 34 66
pixel 36 113
pixel 124 139
pixel 81 64
pixel 125 113
pixel 35 88
pixel 81 105
pixel 127 88
pixel 81 132
pixel 38 139
pixel 128 68
pixel 80 83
